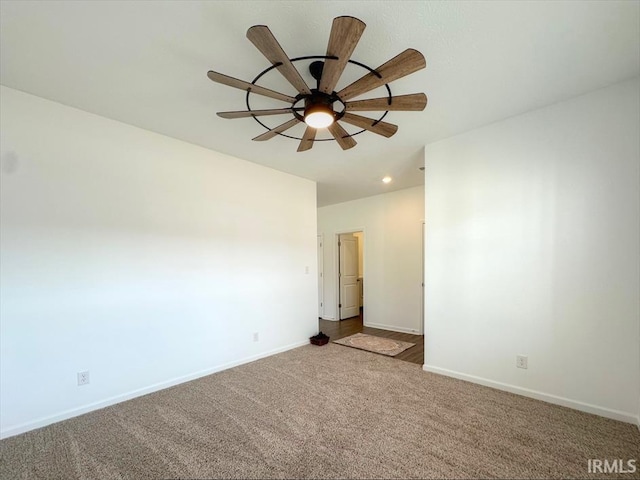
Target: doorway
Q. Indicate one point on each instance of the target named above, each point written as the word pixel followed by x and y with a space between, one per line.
pixel 350 270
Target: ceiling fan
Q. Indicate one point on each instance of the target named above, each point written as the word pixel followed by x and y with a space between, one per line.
pixel 322 107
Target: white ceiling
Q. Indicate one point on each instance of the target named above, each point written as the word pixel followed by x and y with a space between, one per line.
pixel 145 63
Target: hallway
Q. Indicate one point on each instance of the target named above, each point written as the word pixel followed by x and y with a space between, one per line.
pixel 350 326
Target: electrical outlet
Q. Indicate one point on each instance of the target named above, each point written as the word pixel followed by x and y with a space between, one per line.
pixel 522 361
pixel 256 336
pixel 83 378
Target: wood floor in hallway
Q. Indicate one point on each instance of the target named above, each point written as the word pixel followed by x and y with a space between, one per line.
pixel 347 327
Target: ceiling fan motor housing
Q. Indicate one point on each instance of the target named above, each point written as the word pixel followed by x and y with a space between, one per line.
pixel 318 101
pixel 318 111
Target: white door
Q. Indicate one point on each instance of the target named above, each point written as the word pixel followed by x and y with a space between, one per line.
pixel 349 304
pixel 320 277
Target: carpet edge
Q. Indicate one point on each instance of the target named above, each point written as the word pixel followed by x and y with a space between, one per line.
pixel 75 412
pixel 626 417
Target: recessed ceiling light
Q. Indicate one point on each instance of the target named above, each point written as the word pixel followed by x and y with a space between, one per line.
pixel 386 179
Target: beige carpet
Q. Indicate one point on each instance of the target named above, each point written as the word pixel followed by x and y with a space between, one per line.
pixel 372 343
pixel 322 412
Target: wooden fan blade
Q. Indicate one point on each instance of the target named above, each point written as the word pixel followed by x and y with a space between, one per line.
pixel 412 102
pixel 345 33
pixel 399 66
pixel 341 136
pixel 307 139
pixel 275 131
pixel 254 113
pixel 263 39
pixel 381 128
pixel 246 86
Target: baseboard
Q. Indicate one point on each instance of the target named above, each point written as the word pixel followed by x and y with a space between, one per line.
pixel 74 412
pixel 545 397
pixel 330 318
pixel 392 328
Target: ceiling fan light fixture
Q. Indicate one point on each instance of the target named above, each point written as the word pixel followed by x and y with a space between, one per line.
pixel 319 116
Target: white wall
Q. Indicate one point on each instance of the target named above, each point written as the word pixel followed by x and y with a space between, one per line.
pixel 140 258
pixel 392 225
pixel 532 246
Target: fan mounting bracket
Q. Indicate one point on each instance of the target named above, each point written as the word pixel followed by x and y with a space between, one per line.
pixel 315 69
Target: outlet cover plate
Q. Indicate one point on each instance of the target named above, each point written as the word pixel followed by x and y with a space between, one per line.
pixel 522 361
pixel 83 378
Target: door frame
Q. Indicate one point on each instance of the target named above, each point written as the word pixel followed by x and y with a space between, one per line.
pixel 424 234
pixel 320 246
pixel 336 259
